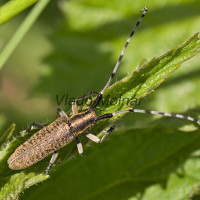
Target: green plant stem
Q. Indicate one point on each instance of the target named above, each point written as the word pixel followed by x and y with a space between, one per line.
pixel 12 8
pixel 22 30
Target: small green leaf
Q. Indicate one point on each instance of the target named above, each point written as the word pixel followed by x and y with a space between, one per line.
pixel 18 183
pixel 7 12
pixel 12 8
pixel 7 134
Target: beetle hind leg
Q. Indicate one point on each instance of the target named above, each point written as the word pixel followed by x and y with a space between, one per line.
pixel 34 124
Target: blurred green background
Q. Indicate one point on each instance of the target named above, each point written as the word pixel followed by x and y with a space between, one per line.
pixel 72 49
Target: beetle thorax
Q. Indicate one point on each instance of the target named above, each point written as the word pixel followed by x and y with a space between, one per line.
pixel 82 121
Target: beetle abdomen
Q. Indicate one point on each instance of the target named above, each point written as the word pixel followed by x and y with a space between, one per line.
pixel 41 144
pixel 22 158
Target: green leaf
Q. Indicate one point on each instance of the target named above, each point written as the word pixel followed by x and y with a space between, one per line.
pixel 7 134
pixel 7 12
pixel 14 183
pixel 12 8
pixel 146 78
pixel 151 74
pixel 136 85
pixel 158 160
pixel 18 183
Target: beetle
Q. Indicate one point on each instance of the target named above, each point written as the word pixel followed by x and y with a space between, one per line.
pixel 48 140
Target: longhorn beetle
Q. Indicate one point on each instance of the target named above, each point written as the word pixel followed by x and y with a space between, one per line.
pixel 48 140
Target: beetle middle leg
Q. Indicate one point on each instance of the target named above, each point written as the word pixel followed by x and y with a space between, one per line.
pixel 75 111
pixel 78 141
pixel 53 159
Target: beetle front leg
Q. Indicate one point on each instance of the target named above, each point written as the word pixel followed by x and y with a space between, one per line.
pixel 107 133
pixel 34 124
pixel 62 113
pixel 94 138
pixel 74 108
pixel 74 105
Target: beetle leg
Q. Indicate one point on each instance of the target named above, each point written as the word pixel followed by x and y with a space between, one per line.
pixel 74 105
pixel 92 137
pixel 34 124
pixel 53 159
pixel 62 113
pixel 79 145
pixel 107 133
pixel 74 108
